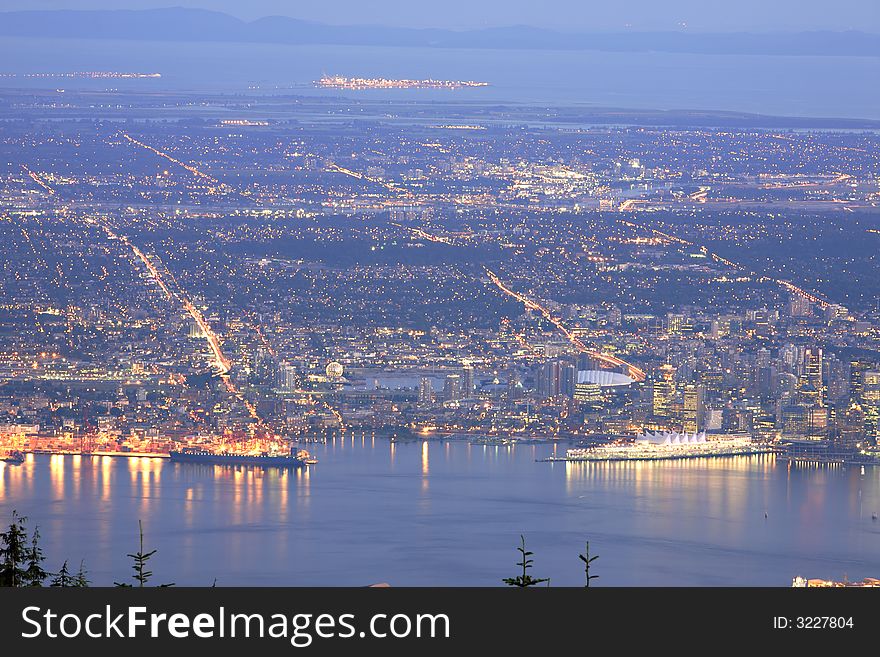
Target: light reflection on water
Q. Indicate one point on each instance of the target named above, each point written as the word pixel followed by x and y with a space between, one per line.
pixel 794 86
pixel 441 513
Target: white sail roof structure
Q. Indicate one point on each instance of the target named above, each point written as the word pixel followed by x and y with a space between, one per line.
pixel 671 437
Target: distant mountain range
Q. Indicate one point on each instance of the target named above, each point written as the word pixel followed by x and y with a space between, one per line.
pixel 178 24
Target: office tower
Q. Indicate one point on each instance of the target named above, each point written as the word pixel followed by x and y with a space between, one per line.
pixel 713 382
pixel 857 369
pixel 812 385
pixel 794 420
pixel 664 391
pixel 693 408
pixel 818 423
pixel 837 380
pixel 850 427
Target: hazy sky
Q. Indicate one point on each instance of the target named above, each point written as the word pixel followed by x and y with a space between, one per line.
pixel 560 14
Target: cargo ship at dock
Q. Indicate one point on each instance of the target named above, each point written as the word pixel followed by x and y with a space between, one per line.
pixel 14 458
pixel 197 455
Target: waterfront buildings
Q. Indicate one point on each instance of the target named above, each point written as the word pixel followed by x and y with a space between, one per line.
pixel 433 268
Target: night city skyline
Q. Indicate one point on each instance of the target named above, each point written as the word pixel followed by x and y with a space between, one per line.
pixel 300 304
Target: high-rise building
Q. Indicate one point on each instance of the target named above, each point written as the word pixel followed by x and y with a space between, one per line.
pixel 587 362
pixel 812 385
pixel 452 387
pixel 798 306
pixel 195 331
pixel 818 423
pixel 804 421
pixel 871 387
pixel 872 423
pixel 837 380
pixel 857 369
pixel 567 379
pixel 763 327
pixel 588 394
pixel 614 316
pixel 663 391
pixel 693 408
pixel 514 387
pixel 764 379
pixel 556 378
pixel 714 419
pixel 788 359
pixel 288 377
pixel 426 391
pixel 713 382
pixel 835 311
pixel 468 381
pixel 850 427
pixel 794 420
pixel 548 379
pixel 674 323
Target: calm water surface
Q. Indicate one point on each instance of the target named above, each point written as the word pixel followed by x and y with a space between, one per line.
pixel 799 86
pixel 449 513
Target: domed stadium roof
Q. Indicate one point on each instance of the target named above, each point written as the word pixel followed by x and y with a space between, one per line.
pixel 604 378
